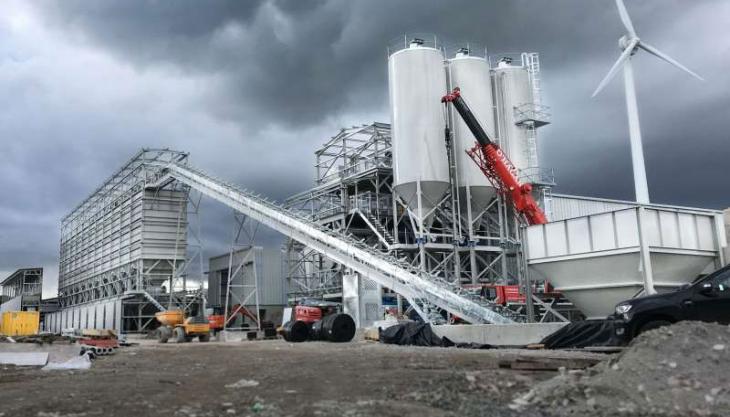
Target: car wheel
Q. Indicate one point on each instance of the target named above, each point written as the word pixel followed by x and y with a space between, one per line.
pixel 654 324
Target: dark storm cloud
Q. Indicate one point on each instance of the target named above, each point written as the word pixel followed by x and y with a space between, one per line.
pixel 294 63
pixel 276 59
pixel 251 88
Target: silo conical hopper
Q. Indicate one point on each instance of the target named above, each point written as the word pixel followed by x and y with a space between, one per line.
pixel 417 81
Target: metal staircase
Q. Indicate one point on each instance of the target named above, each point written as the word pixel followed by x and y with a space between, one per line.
pixel 421 289
pixel 380 231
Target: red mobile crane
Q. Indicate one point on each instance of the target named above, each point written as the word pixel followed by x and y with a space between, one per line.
pixel 495 164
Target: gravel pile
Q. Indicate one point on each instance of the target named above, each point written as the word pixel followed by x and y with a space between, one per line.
pixel 680 370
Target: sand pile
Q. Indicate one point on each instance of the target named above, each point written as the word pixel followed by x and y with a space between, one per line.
pixel 680 370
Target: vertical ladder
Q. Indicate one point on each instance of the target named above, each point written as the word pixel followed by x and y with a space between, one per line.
pixel 531 61
pixel 547 201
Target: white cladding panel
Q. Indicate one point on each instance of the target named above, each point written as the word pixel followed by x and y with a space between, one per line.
pixel 725 219
pixel 361 299
pixel 567 206
pixel 100 315
pixel 417 81
pixel 85 317
pixel 13 304
pixel 99 318
pixel 272 288
pixel 109 316
pixel 118 315
pixel 664 228
pixel 513 90
pixel 265 264
pixel 471 75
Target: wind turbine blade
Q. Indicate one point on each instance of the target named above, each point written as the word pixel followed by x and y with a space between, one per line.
pixel 625 18
pixel 616 66
pixel 661 55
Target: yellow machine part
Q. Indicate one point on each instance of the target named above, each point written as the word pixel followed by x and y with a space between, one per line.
pixel 170 317
pixel 196 328
pixel 19 323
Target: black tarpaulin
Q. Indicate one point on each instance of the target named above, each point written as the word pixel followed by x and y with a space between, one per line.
pixel 410 333
pixel 413 333
pixel 584 333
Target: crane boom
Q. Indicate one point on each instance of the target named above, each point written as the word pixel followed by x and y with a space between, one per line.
pixel 495 165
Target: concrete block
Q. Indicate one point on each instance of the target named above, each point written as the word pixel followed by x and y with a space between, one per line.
pixel 497 334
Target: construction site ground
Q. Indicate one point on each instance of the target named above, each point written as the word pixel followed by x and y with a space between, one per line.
pixel 276 378
pixel 681 370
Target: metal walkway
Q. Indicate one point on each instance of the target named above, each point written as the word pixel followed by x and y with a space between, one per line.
pixel 422 290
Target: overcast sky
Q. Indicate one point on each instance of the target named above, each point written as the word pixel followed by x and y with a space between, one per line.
pixel 251 88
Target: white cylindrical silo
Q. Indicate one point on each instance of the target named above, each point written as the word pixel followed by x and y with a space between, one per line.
pixel 417 81
pixel 471 74
pixel 513 89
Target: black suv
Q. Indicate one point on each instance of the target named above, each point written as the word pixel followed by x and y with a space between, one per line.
pixel 707 299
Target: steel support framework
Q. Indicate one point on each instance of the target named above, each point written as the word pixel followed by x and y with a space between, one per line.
pixel 423 291
pixel 353 195
pixel 240 295
pixel 128 242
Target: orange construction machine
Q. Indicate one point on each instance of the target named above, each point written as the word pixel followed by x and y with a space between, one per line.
pixel 174 324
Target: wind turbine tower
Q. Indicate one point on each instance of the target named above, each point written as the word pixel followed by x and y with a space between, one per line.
pixel 630 45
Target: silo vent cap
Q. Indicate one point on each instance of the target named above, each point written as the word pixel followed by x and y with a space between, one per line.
pixel 416 42
pixel 505 61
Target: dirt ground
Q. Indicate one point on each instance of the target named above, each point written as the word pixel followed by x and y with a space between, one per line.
pixel 681 370
pixel 275 378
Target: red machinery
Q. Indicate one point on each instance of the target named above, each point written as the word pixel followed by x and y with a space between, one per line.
pixel 495 164
pixel 307 314
pixel 510 294
pixel 318 320
pixel 218 321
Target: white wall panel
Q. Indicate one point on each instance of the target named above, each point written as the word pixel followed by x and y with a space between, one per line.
pixel 579 236
pixel 688 231
pixel 603 236
pixel 557 240
pixel 669 227
pixel 664 229
pixel 627 227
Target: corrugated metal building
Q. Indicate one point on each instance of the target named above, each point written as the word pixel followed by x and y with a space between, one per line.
pixel 260 268
pixel 22 290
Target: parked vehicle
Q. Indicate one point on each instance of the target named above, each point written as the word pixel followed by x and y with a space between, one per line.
pixel 707 299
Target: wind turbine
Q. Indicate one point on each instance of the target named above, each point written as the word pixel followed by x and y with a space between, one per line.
pixel 630 44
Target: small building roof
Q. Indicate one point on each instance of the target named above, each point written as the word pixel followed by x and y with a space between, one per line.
pixel 20 272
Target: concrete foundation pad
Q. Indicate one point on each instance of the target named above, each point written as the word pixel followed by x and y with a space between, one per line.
pixel 497 334
pixel 24 358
